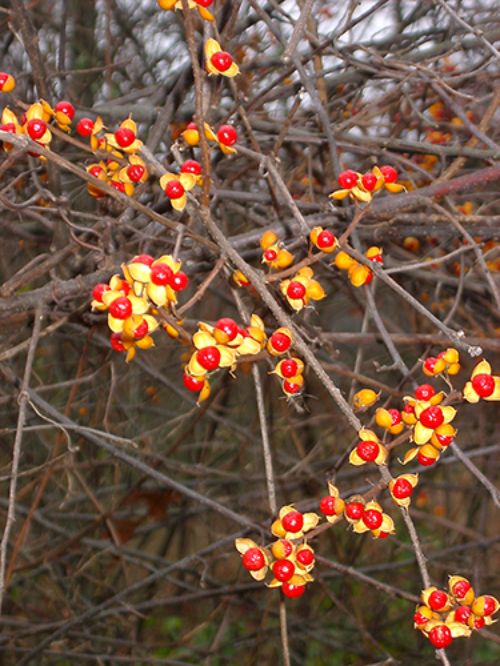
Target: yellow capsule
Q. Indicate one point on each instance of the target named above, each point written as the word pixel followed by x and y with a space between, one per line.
pixel 343 261
pixel 268 238
pixel 359 274
pixel 365 398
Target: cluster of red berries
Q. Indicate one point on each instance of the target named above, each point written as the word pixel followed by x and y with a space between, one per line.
pixel 289 559
pixel 35 122
pixel 444 616
pixel 361 187
pixel 132 301
pixel 225 137
pixel 447 361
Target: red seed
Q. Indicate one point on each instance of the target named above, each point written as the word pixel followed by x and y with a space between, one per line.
pixel 221 60
pixel 372 519
pixel 354 510
pixel 174 189
pixel 36 128
pixel 135 172
pixel 432 417
pixel 293 521
pixel 270 255
pixel 116 342
pixel 389 173
pixel 191 166
pixel 85 126
pixel 483 385
pixel 161 274
pixel 327 505
pixel 283 570
pixel 462 614
pixel 124 137
pixel 438 600
pixel 99 290
pixel 440 636
pixel 325 239
pixel 65 107
pixel 461 588
pixel 120 308
pixel 288 367
pixel 368 450
pixel 347 179
pixel 227 326
pixel 208 358
pixel 179 281
pixel 280 341
pixel 402 489
pixel 293 591
pixel 305 556
pixel 193 384
pixel 369 181
pixel 425 391
pixel 253 559
pixel 295 290
pixel 227 135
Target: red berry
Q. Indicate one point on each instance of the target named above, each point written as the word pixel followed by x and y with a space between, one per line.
pixel 292 388
pixel 253 559
pixel 193 384
pixel 161 274
pixel 354 510
pixel 462 614
pixel 204 3
pixel 425 391
pixel 402 489
pixel 348 179
pixel 437 600
pixel 295 290
pixel 440 636
pixel 124 137
pixel 418 618
pixel 325 239
pixel 408 408
pixel 227 326
pixel 432 417
pixel 368 450
pixel 389 173
pixel 461 588
pixel 65 107
pixel 120 308
pixel 116 342
pixel 99 290
pixel 85 126
pixel 479 622
pixel 270 254
pixel 191 166
pixel 305 556
pixel 327 505
pixel 369 181
pixel 429 364
pixel 179 281
pixel 293 521
pixel 174 189
pixel 280 341
pixel 145 259
pixel 483 385
pixel 377 259
pixel 489 605
pixel 395 416
pixel 135 172
pixel 372 519
pixel 8 127
pixel 96 170
pixel 208 358
pixel 141 330
pixel 425 460
pixel 293 591
pixel 36 128
pixel 118 185
pixel 221 61
pixel 444 440
pixel 283 570
pixel 227 135
pixel 288 367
